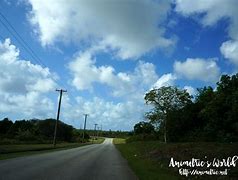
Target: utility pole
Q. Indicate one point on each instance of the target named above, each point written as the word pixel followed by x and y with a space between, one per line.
pixel 58 113
pixel 95 129
pixel 85 121
pixel 101 130
pixel 98 131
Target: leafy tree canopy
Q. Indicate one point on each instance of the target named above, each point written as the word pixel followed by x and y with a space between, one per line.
pixel 144 128
pixel 164 100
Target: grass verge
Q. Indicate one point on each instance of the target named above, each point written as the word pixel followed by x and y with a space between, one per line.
pixel 98 140
pixel 12 151
pixel 119 141
pixel 149 160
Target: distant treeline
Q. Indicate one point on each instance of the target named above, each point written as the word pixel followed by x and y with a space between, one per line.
pixel 42 131
pixel 212 115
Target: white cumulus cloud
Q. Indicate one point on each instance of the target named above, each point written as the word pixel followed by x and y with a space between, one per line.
pixel 23 85
pixel 198 69
pixel 165 80
pixel 230 51
pixel 85 73
pixel 109 114
pixel 211 12
pixel 131 28
pixel 190 90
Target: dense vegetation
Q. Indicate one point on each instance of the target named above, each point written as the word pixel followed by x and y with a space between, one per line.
pixel 42 131
pixel 35 131
pixel 212 115
pixel 203 127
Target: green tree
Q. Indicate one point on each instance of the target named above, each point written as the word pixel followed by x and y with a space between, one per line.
pixel 5 125
pixel 164 100
pixel 144 128
pixel 205 95
pixel 18 127
pixel 221 111
pixel 46 130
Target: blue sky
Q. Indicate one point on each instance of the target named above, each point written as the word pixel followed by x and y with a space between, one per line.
pixel 108 54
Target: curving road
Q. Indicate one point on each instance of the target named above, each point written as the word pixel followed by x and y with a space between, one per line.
pixel 96 162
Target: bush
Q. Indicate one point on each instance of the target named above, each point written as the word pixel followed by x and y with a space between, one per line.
pixel 143 137
pixel 144 128
pixel 5 125
pixel 35 131
pixel 26 136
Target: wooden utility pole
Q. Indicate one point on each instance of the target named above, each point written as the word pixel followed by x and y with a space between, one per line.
pixel 85 121
pixel 95 129
pixel 98 132
pixel 101 129
pixel 58 113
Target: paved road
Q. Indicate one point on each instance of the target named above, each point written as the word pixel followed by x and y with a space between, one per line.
pixel 96 161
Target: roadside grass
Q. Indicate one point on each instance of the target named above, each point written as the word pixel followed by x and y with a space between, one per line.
pixel 144 168
pixel 18 150
pixel 98 140
pixel 119 141
pixel 150 160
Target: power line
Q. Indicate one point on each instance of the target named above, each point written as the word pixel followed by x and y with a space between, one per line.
pixel 10 28
pixel 22 43
pixel 34 55
pixel 25 45
pixel 20 55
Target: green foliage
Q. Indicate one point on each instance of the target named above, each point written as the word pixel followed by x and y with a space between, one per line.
pixel 143 131
pixel 37 131
pixel 212 116
pixel 78 136
pixel 144 128
pixel 42 131
pixel 5 124
pixel 168 98
pixel 115 134
pixel 165 100
pixel 143 137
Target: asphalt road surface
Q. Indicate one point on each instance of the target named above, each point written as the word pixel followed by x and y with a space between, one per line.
pixel 96 161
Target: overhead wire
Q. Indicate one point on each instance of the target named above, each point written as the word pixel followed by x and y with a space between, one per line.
pixel 3 39
pixel 10 28
pixel 22 42
pixel 29 50
pixel 19 41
